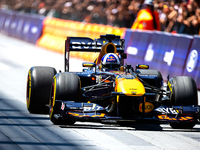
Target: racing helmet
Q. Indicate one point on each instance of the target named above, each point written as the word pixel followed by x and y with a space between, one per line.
pixel 110 61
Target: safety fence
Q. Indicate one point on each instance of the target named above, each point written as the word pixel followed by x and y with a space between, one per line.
pixel 172 54
pixel 22 26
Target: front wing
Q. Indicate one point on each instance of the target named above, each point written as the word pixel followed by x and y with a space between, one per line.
pixel 81 110
pixel 93 111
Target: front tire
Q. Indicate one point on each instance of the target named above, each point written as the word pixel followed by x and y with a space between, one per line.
pixel 38 89
pixel 66 87
pixel 183 93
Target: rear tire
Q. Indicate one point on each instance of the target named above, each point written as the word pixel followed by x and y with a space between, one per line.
pixel 39 84
pixel 66 87
pixel 183 93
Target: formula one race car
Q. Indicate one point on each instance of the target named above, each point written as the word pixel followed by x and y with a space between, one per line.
pixel 109 90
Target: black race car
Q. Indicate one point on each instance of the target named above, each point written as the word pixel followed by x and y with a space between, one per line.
pixel 109 90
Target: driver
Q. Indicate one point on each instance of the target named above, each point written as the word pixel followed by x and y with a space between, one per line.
pixel 110 61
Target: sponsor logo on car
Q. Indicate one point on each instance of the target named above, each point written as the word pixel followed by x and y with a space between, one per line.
pixel 148 107
pixel 170 118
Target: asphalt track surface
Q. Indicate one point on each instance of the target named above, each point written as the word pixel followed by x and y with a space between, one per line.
pixel 22 130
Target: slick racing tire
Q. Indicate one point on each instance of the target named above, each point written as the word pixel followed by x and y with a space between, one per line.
pixel 66 87
pixel 39 84
pixel 183 92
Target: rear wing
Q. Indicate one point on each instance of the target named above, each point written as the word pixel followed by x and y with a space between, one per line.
pixel 84 44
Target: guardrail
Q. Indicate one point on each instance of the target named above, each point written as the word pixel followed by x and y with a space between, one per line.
pixel 172 54
pixel 23 26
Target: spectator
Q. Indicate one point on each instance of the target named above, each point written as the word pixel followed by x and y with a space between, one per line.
pixel 192 24
pixel 34 6
pixel 18 6
pixel 163 17
pixel 133 9
pixel 177 16
pixel 183 18
pixel 66 11
pixel 171 18
pixel 147 18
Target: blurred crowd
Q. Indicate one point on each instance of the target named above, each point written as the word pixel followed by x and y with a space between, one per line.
pixel 177 16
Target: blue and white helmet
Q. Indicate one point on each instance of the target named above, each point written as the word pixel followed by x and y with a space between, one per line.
pixel 110 61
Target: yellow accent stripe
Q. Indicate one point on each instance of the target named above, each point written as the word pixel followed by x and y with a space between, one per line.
pixel 54 95
pixel 29 88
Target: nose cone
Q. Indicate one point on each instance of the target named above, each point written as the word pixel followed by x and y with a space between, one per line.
pixel 130 87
